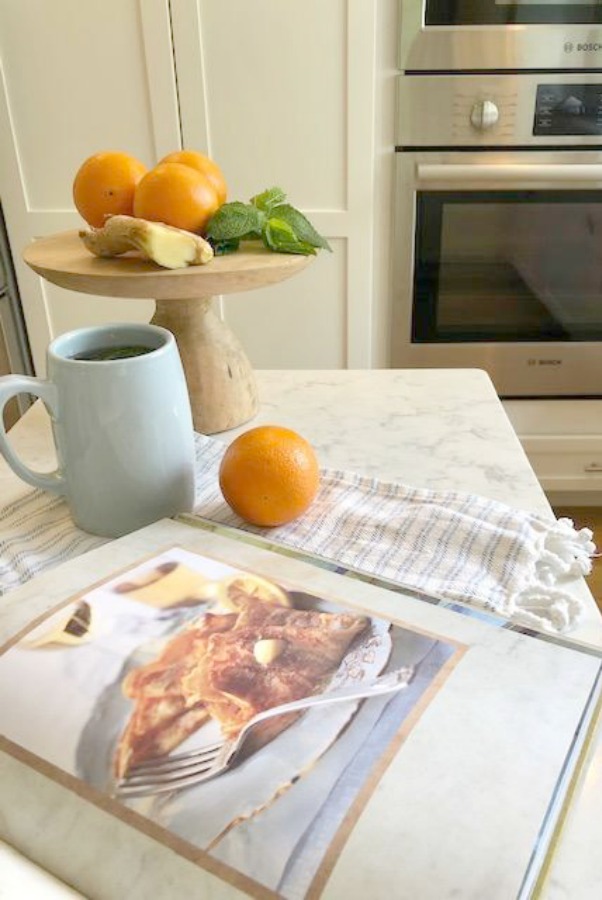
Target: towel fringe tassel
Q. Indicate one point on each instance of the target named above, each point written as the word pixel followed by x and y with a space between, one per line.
pixel 566 553
pixel 544 607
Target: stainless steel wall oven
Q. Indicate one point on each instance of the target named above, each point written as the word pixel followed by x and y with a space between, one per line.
pixel 498 209
pixel 470 35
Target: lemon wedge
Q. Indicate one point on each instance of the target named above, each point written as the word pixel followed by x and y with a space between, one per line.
pixel 232 593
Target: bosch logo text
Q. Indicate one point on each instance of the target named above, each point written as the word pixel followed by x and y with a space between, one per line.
pixel 591 47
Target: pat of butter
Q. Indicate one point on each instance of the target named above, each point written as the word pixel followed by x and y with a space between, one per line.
pixel 267 650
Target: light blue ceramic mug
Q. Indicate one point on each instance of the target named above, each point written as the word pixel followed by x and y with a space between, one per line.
pixel 122 426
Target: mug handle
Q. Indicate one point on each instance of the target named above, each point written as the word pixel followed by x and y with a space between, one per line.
pixel 10 386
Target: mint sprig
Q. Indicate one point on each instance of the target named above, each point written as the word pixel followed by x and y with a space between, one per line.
pixel 278 235
pixel 302 227
pixel 267 217
pixel 268 199
pixel 234 221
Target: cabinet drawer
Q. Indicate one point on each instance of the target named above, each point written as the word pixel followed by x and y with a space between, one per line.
pixel 566 463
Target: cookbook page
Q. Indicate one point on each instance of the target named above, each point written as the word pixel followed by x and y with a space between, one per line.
pixel 172 641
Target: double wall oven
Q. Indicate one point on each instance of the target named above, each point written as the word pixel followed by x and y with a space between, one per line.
pixel 498 207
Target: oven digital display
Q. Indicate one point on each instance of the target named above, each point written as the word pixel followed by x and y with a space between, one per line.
pixel 563 109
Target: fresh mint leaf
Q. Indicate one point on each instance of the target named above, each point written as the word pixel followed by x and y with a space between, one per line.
pixel 282 227
pixel 235 220
pixel 302 227
pixel 268 199
pixel 279 236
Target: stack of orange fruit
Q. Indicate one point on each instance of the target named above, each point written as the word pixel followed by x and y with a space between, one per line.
pixel 185 189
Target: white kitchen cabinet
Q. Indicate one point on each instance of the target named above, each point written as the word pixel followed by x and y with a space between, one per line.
pixel 563 441
pixel 285 94
pixel 76 78
pixel 278 93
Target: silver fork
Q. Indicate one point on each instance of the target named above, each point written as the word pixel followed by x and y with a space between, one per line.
pixel 170 773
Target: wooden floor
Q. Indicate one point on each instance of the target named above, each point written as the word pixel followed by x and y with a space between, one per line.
pixel 588 517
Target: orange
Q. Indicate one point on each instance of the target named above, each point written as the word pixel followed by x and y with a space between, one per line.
pixel 202 164
pixel 176 195
pixel 104 186
pixel 269 475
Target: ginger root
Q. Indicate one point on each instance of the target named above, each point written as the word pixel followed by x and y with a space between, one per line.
pixel 169 247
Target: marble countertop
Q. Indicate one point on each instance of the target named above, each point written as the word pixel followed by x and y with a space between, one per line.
pixel 427 428
pixel 420 426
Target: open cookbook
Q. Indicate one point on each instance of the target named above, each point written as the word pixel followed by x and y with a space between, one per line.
pixel 189 708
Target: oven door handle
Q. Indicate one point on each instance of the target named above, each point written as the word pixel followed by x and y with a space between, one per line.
pixel 504 175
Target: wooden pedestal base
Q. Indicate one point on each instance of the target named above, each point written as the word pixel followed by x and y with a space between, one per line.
pixel 221 383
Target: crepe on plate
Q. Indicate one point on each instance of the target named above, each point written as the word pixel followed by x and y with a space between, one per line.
pixel 213 670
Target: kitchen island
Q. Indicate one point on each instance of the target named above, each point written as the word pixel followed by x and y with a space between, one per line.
pixel 426 428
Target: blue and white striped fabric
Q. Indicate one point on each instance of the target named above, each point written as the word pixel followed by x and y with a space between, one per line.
pixel 37 533
pixel 449 545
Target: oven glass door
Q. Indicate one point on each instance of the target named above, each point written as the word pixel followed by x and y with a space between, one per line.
pixel 515 265
pixel 513 12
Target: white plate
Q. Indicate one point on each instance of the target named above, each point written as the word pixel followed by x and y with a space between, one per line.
pixel 254 783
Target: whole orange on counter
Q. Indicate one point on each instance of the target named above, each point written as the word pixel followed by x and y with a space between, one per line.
pixel 104 185
pixel 269 475
pixel 176 195
pixel 205 166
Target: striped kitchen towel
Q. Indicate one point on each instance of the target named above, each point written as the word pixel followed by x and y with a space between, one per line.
pixel 37 533
pixel 451 546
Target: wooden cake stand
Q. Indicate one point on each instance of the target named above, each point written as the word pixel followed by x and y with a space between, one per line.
pixel 221 383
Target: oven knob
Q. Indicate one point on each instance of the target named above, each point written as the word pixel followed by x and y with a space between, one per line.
pixel 484 115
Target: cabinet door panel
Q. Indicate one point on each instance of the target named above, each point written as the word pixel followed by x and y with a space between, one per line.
pixel 269 93
pixel 77 84
pixel 284 94
pixel 70 309
pixel 76 78
pixel 298 324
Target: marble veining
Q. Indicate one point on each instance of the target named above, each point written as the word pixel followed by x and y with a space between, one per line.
pixel 418 426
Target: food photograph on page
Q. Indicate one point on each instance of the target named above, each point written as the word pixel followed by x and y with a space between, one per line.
pixel 230 710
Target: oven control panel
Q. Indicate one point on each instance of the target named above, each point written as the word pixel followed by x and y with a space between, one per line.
pixel 495 110
pixel 568 109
